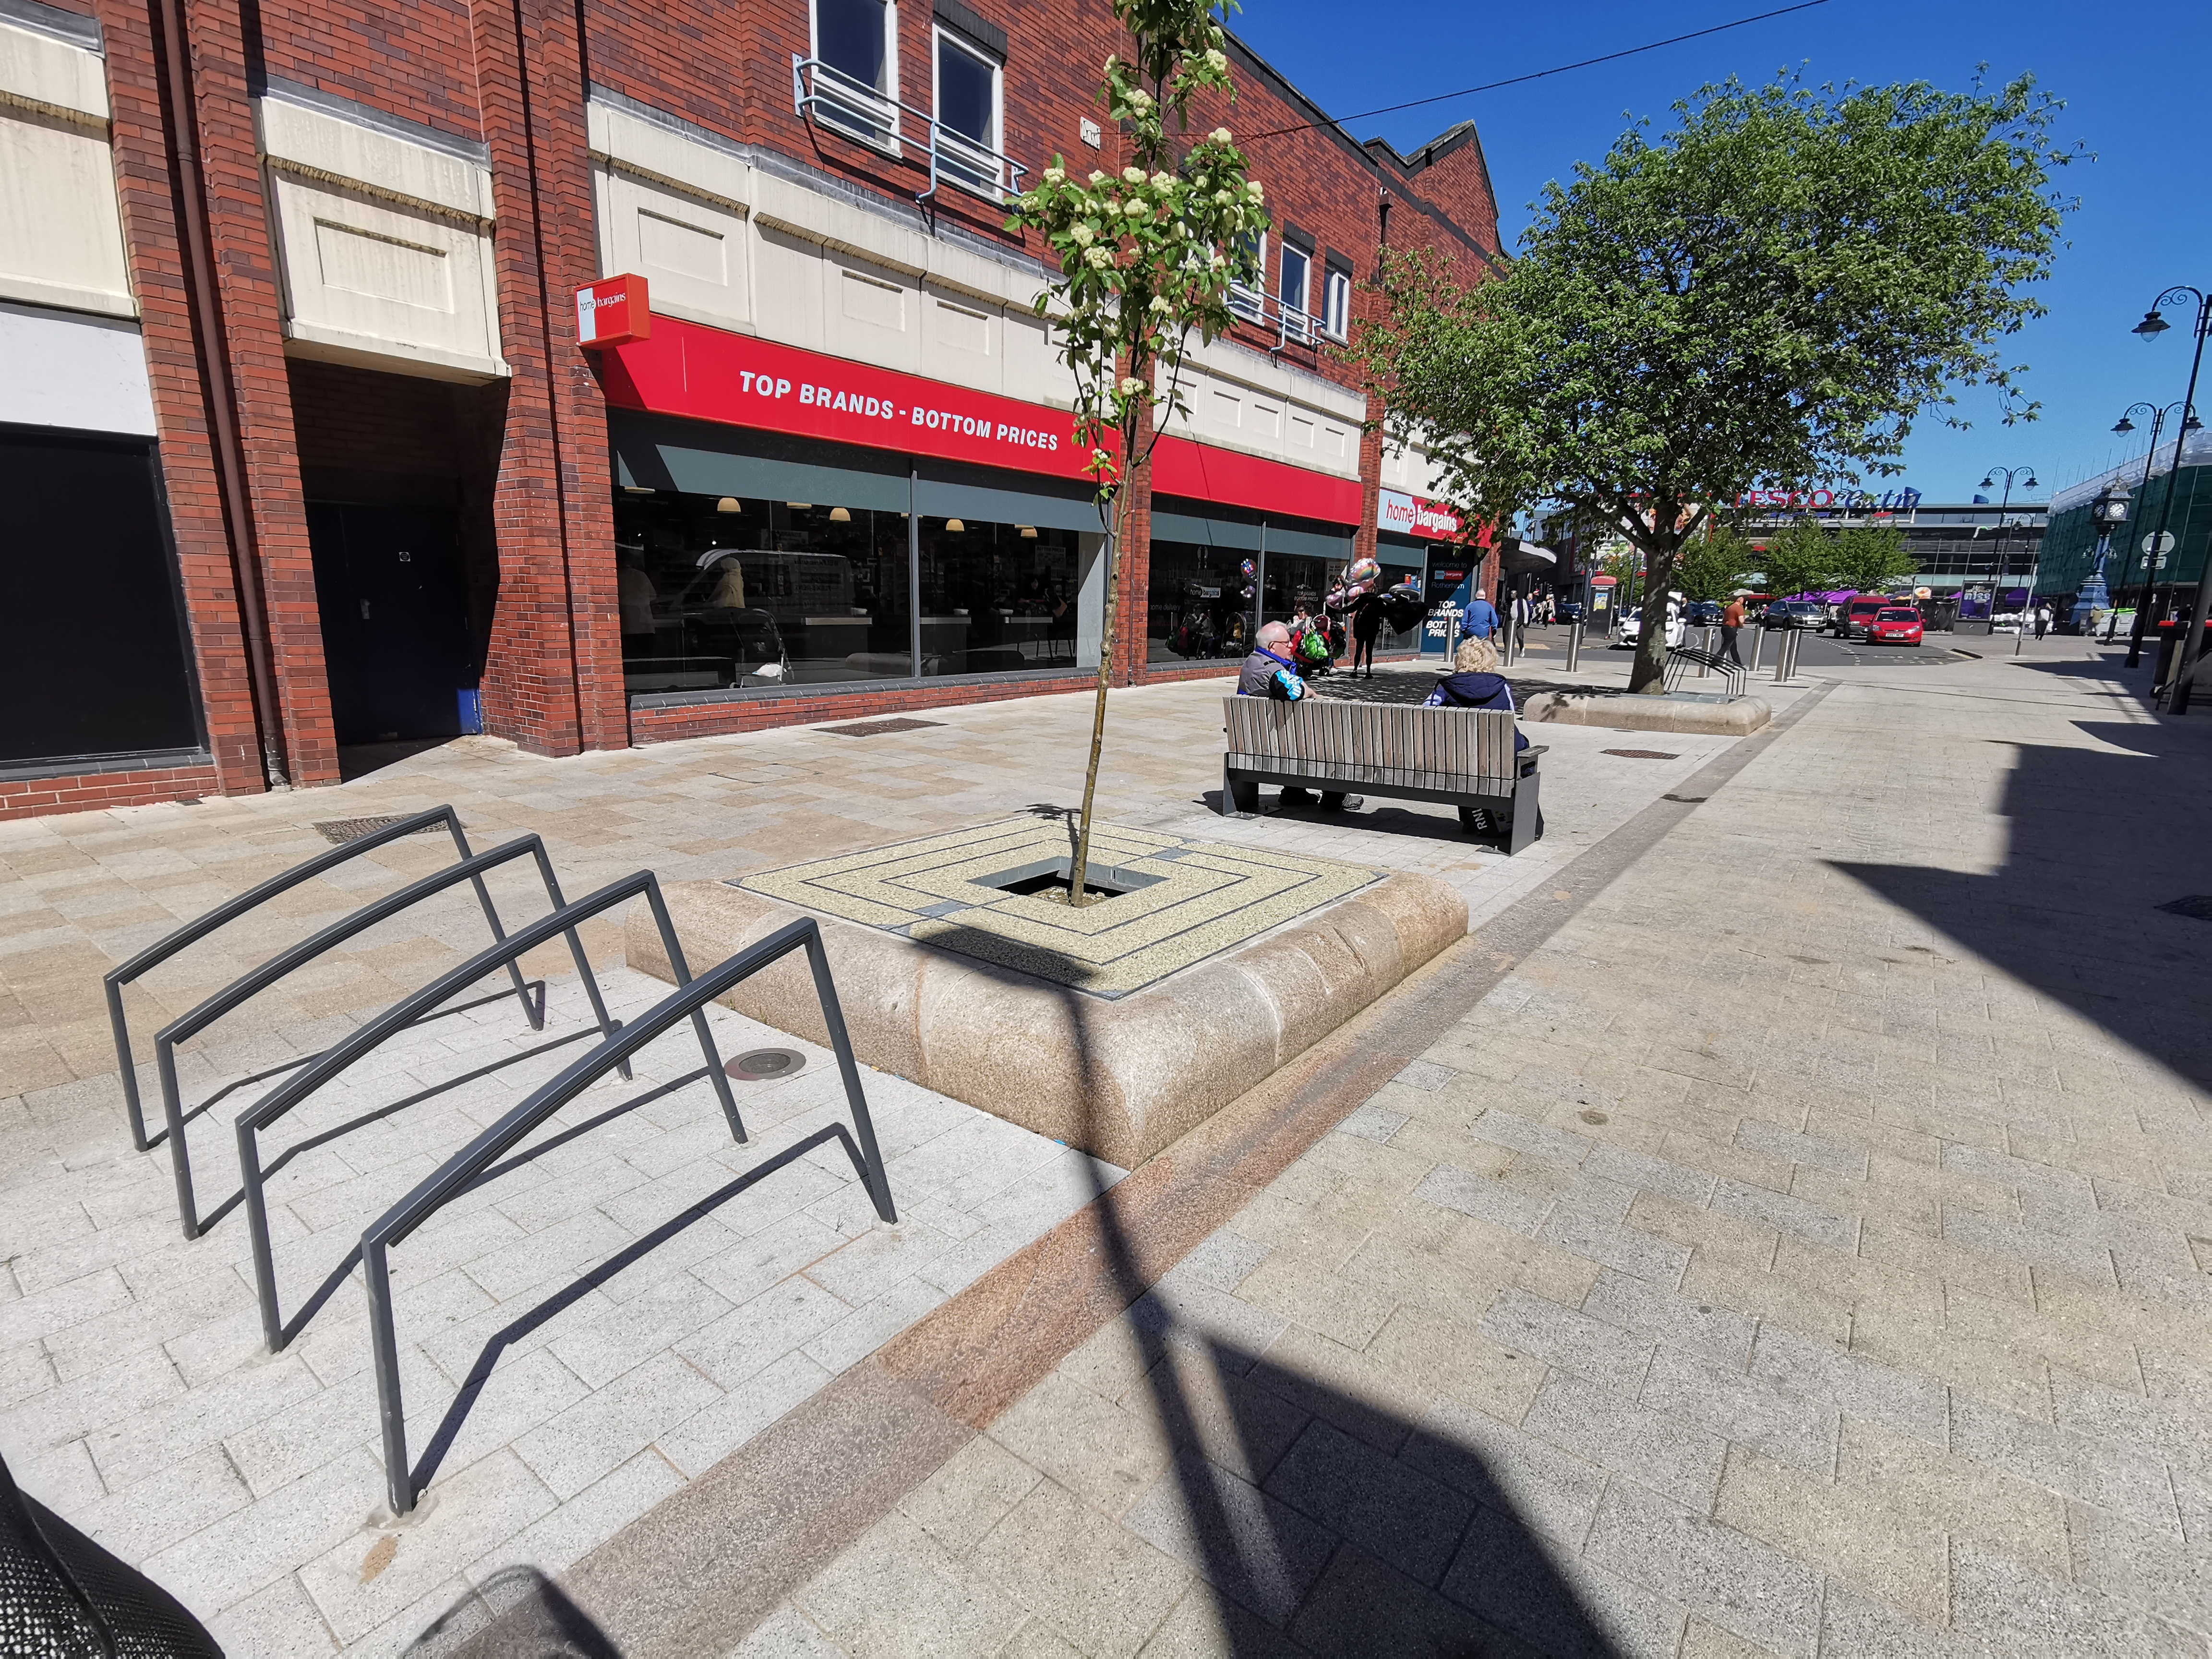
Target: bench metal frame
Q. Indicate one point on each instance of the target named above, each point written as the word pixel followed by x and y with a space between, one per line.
pixel 466 1168
pixel 408 1012
pixel 1682 657
pixel 239 991
pixel 192 932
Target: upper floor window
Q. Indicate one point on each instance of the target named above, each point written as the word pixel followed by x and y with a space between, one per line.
pixel 1298 283
pixel 1248 295
pixel 1336 304
pixel 857 40
pixel 966 101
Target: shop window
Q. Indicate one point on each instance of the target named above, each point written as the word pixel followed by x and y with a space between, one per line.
pixel 93 656
pixel 968 116
pixel 739 593
pixel 998 598
pixel 1298 281
pixel 1195 608
pixel 1336 305
pixel 1293 585
pixel 857 40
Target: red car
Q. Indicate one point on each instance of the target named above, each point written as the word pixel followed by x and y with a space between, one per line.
pixel 1894 624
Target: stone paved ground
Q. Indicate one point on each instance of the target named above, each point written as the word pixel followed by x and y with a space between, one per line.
pixel 1805 1251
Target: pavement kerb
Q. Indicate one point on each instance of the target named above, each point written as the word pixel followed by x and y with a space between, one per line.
pixel 697 1573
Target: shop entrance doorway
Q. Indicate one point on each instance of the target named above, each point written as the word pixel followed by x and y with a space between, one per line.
pixel 395 622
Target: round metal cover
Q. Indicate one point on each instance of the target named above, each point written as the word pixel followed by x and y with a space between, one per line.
pixel 762 1064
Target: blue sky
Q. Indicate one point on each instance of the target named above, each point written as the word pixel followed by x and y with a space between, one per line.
pixel 2136 86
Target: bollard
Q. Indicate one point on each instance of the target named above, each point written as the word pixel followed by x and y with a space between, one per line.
pixel 1704 645
pixel 1574 645
pixel 1785 656
pixel 1758 641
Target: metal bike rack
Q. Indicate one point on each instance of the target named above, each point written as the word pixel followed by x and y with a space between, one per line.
pixel 470 870
pixel 1684 657
pixel 463 1171
pixel 154 954
pixel 402 1014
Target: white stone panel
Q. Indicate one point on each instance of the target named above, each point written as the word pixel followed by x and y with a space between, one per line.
pixel 1239 400
pixel 72 370
pixel 61 229
pixel 371 281
pixel 315 141
pixel 695 255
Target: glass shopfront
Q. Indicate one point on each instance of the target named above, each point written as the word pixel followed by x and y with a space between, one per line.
pixel 1403 559
pixel 1200 603
pixel 750 561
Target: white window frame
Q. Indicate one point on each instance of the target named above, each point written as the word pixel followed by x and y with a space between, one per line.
pixel 1336 303
pixel 1297 320
pixel 1247 301
pixel 888 92
pixel 939 38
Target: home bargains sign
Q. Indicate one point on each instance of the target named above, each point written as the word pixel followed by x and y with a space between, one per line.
pixel 710 374
pixel 1413 515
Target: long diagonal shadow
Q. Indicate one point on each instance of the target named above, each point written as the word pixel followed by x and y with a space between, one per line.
pixel 1324 1524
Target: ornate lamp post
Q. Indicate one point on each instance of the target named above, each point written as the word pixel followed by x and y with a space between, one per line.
pixel 2108 512
pixel 2150 328
pixel 2151 556
pixel 2026 476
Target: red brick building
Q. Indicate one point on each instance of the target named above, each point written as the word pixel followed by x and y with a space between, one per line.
pixel 304 450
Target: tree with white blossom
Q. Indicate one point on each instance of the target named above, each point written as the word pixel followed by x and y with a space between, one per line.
pixel 1147 255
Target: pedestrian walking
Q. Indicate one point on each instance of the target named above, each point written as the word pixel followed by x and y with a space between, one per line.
pixel 1480 620
pixel 2042 619
pixel 1732 625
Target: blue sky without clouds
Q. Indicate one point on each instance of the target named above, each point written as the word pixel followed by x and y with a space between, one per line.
pixel 2135 84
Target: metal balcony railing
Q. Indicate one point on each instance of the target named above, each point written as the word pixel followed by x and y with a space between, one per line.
pixel 826 94
pixel 470 1166
pixel 1290 325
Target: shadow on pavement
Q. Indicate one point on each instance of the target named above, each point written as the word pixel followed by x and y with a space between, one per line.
pixel 2099 841
pixel 516 1614
pixel 360 759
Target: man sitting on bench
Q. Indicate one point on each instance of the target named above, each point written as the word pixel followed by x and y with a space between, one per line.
pixel 1269 672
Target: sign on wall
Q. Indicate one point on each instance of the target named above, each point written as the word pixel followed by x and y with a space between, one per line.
pixel 1413 515
pixel 612 312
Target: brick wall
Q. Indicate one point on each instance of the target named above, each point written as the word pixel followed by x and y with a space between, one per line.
pixel 93 792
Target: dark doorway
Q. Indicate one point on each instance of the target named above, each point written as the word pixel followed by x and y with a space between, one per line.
pixel 395 622
pixel 94 661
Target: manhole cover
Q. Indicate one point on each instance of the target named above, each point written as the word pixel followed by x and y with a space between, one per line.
pixel 338 831
pixel 763 1064
pixel 1642 753
pixel 2198 907
pixel 877 728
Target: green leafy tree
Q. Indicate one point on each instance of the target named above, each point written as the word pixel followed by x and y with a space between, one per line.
pixel 1800 558
pixel 1771 291
pixel 1870 557
pixel 1147 255
pixel 1713 565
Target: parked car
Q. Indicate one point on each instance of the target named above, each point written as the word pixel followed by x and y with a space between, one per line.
pixel 1628 626
pixel 1854 616
pixel 1895 624
pixel 1704 613
pixel 1795 613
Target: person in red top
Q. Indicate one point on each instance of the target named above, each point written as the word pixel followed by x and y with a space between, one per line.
pixel 1731 625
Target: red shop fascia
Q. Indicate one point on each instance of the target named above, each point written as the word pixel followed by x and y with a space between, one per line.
pixel 707 412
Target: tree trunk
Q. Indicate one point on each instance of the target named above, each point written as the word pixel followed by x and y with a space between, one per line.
pixel 1112 555
pixel 1648 674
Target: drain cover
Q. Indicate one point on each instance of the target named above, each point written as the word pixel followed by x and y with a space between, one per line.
pixel 1642 753
pixel 2198 907
pixel 877 728
pixel 338 831
pixel 762 1064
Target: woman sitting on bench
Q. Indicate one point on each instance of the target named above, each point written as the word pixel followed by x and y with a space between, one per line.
pixel 1475 682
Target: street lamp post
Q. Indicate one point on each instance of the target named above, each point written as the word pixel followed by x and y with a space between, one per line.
pixel 2004 542
pixel 2151 554
pixel 2150 328
pixel 2108 512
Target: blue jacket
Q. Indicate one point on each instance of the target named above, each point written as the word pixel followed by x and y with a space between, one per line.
pixel 1480 620
pixel 1475 690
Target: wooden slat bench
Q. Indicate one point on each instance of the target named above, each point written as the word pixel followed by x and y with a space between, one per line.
pixel 1464 756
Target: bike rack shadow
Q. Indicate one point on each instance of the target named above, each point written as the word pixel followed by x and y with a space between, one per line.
pixel 192 932
pixel 241 990
pixel 474 1162
pixel 406 1012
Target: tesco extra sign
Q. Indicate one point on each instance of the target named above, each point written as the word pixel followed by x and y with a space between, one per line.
pixel 1847 500
pixel 1411 515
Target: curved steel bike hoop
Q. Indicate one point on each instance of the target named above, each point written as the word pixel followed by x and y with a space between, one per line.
pixel 192 932
pixel 340 1055
pixel 470 870
pixel 465 1168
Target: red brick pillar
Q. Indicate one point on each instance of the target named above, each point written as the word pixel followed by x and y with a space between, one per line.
pixel 554 679
pixel 147 183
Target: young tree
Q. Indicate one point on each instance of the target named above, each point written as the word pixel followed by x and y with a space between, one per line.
pixel 1770 292
pixel 1147 254
pixel 1868 558
pixel 1800 558
pixel 1714 564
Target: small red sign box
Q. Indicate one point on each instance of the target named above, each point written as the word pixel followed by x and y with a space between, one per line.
pixel 612 312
